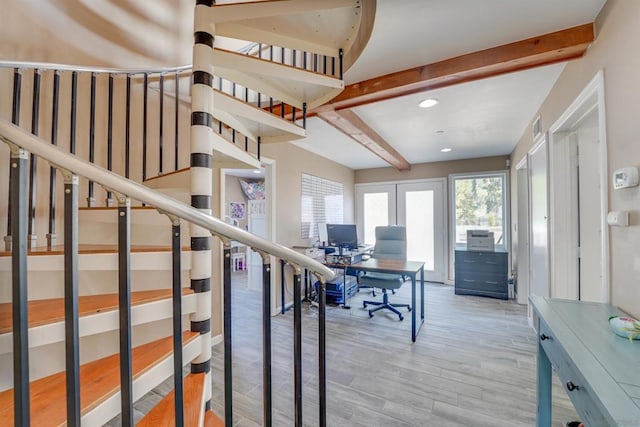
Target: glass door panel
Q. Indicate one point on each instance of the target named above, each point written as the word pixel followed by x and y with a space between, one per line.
pixel 420 208
pixel 375 205
pixel 376 212
pixel 419 220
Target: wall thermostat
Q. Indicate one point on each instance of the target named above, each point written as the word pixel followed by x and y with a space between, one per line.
pixel 625 177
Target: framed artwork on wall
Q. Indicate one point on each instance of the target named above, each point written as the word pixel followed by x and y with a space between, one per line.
pixel 237 210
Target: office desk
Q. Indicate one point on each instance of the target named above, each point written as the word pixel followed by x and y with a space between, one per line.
pixel 599 370
pixel 408 268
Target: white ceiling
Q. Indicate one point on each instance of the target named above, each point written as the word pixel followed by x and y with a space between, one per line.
pixel 481 118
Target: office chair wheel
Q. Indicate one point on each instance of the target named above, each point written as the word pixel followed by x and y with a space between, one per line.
pixel 370 314
pixel 364 304
pixel 401 317
pixel 408 308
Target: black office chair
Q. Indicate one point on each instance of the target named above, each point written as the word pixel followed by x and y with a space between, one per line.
pixel 391 243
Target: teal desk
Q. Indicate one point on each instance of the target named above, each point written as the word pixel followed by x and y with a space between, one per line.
pixel 599 370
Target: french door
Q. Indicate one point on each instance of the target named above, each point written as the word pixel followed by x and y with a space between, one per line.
pixel 417 205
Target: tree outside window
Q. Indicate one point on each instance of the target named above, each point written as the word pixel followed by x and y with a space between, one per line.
pixel 479 205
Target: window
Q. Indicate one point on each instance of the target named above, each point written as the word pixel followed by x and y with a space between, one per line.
pixel 479 202
pixel 322 201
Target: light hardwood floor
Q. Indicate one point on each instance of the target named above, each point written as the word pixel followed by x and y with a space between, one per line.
pixel 473 364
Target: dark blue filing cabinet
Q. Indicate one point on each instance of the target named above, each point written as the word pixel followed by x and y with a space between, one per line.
pixel 482 273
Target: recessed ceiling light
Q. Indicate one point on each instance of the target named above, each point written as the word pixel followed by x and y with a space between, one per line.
pixel 427 103
pixel 257 171
pixel 446 150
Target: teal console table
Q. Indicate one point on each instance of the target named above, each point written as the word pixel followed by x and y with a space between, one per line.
pixel 599 370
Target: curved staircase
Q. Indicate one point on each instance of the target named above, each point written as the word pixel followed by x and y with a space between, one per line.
pixel 119 299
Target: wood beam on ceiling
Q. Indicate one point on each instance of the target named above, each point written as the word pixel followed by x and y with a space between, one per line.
pixel 559 46
pixel 349 123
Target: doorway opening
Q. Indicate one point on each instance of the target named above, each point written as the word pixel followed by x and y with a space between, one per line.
pixel 248 202
pixel 578 166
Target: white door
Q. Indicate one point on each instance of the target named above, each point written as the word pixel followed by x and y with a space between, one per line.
pixel 539 240
pixel 257 223
pixel 522 232
pixel 417 205
pixel 421 210
pixel 375 205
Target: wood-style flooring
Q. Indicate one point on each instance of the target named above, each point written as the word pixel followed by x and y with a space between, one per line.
pixel 473 364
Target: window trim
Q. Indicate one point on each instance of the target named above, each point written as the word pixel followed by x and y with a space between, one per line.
pixel 504 174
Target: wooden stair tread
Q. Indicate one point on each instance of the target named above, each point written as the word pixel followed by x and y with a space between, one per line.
pixel 99 380
pixel 212 420
pixel 86 249
pixel 46 311
pixel 163 414
pixel 162 175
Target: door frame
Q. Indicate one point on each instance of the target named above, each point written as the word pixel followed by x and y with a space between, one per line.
pixel 445 208
pixel 269 166
pixel 438 261
pixel 592 96
pixel 522 255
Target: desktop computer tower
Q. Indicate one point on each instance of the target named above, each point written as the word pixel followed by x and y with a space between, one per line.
pixel 335 289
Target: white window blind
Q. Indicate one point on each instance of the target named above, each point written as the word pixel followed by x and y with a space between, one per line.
pixel 322 202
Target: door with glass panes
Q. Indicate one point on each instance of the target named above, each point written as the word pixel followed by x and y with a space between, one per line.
pixel 417 205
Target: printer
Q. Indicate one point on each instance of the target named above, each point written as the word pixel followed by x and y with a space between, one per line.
pixel 480 240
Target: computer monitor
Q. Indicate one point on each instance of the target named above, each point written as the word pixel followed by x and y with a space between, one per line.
pixel 342 235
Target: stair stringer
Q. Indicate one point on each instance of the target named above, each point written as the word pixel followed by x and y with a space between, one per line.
pixel 243 117
pixel 292 85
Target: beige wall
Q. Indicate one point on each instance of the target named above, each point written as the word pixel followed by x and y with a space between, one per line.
pixel 101 132
pixel 614 52
pixel 432 170
pixel 35 31
pixel 23 34
pixel 291 162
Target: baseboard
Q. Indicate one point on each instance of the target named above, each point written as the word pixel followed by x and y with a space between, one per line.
pixel 215 340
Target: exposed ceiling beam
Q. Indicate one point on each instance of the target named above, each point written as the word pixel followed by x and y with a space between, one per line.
pixel 348 122
pixel 546 49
